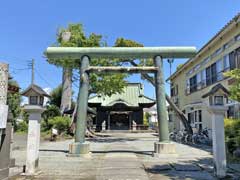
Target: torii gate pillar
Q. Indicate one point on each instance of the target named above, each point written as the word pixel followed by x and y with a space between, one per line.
pixel 80 147
pixel 163 146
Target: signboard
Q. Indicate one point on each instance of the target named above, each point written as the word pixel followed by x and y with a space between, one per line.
pixel 3 116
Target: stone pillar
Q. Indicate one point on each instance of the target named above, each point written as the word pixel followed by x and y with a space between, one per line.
pixel 33 140
pixel 80 147
pixel 163 146
pixel 5 126
pixel 218 138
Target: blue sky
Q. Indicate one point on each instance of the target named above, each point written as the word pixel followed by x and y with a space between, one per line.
pixel 28 27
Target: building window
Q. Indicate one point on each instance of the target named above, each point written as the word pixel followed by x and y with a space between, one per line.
pixel 203 78
pixel 232 61
pixel 237 38
pixel 33 100
pixel 195 119
pixel 193 84
pixel 218 100
pixel 226 64
pixel 199 80
pixel 208 76
pixel 214 72
pixel 219 65
pixel 225 46
pixel 200 115
pixel 211 74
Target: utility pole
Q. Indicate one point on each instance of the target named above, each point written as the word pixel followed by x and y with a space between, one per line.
pixel 32 71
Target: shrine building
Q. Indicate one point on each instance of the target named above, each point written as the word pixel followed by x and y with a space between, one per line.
pixel 121 111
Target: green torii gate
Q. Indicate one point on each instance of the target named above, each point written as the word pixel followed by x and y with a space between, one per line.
pixel 84 54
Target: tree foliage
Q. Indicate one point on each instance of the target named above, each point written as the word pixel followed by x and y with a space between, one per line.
pixel 13 101
pixel 235 88
pixel 56 95
pixel 106 84
pixel 50 112
pixel 61 123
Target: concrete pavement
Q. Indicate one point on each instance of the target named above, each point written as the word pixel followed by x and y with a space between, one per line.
pixel 121 156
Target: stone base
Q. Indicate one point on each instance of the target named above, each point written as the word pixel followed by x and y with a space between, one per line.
pixel 164 148
pixel 79 150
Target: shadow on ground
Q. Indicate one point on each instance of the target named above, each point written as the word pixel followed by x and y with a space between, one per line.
pixel 201 169
pixel 111 140
pixel 148 153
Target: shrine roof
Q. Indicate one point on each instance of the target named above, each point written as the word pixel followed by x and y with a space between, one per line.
pixel 36 89
pixel 132 96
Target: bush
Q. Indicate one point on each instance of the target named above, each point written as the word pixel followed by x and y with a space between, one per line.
pixel 232 134
pixel 22 126
pixel 51 112
pixel 60 123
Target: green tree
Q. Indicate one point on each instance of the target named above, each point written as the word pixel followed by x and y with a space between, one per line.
pixel 50 112
pixel 106 84
pixel 13 101
pixel 235 88
pixel 56 95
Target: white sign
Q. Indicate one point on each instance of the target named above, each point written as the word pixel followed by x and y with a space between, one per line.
pixel 54 131
pixel 3 116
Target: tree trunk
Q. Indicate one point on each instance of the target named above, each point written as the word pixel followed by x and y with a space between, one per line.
pixel 66 99
pixel 178 112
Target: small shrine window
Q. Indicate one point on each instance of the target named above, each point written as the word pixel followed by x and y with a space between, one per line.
pixel 33 100
pixel 218 100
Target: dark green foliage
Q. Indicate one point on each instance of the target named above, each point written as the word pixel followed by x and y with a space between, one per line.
pixel 235 88
pixel 49 113
pixel 22 126
pixel 13 101
pixel 121 42
pixel 56 96
pixel 61 123
pixel 232 134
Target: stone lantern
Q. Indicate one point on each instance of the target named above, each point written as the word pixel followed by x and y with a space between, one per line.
pixel 34 108
pixel 217 99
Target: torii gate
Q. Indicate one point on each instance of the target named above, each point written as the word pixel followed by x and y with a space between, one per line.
pixel 84 54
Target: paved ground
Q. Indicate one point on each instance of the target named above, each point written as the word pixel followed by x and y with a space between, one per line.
pixel 121 156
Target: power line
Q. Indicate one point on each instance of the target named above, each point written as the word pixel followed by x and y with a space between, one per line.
pixel 41 77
